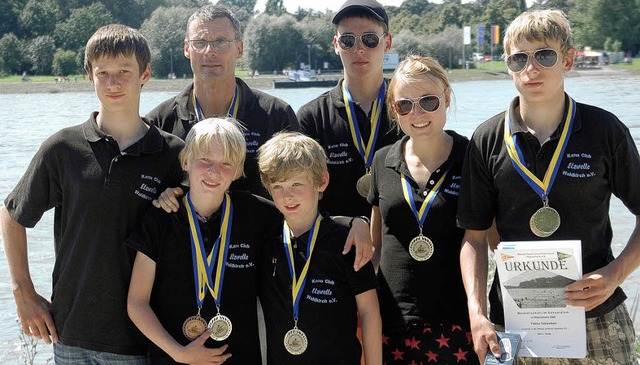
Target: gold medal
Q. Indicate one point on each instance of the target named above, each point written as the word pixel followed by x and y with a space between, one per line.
pixel 220 327
pixel 544 221
pixel 295 341
pixel 421 248
pixel 364 185
pixel 193 327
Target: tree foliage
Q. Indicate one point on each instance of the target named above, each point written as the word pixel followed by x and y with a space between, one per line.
pixel 74 32
pixel 165 32
pixel 11 59
pixel 40 54
pixel 273 43
pixel 274 7
pixel 64 63
pixel 39 17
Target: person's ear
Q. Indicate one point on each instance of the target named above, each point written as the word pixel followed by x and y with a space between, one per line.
pixel 569 59
pixel 325 182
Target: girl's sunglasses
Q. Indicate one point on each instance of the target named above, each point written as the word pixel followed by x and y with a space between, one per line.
pixel 428 103
pixel 547 58
pixel 370 40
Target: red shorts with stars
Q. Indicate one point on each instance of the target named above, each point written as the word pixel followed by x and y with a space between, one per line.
pixel 424 343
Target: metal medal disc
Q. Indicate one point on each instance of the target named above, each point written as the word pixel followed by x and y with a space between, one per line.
pixel 421 248
pixel 295 341
pixel 220 327
pixel 193 327
pixel 363 185
pixel 544 221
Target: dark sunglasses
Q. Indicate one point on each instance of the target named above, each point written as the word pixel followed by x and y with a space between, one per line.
pixel 428 103
pixel 547 58
pixel 370 40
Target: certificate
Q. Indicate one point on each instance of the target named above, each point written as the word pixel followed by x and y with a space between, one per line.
pixel 532 279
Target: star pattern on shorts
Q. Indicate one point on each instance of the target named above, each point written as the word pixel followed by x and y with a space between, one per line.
pixel 460 355
pixel 443 341
pixel 412 343
pixel 398 355
pixel 385 339
pixel 455 327
pixel 432 357
pixel 469 337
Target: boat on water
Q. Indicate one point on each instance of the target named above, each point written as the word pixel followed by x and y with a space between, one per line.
pixel 303 78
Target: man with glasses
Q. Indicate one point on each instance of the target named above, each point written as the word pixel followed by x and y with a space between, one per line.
pixel 350 120
pixel 213 44
pixel 545 170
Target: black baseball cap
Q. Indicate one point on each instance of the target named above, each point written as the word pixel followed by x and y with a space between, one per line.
pixel 371 7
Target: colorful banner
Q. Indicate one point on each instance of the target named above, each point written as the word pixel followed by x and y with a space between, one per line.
pixel 481 34
pixel 495 34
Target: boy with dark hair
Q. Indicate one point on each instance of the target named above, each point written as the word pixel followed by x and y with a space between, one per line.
pixel 547 168
pixel 100 176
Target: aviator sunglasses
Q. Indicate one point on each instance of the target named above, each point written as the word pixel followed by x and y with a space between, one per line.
pixel 428 103
pixel 547 58
pixel 370 40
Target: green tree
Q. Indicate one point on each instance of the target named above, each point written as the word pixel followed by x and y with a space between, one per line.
pixel 564 5
pixel 242 9
pixel 64 63
pixel 165 31
pixel 9 16
pixel 273 43
pixel 407 42
pixel 595 20
pixel 40 52
pixel 318 32
pixel 74 32
pixel 274 7
pixel 39 17
pixel 11 55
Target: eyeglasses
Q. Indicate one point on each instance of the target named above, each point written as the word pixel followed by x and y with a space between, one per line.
pixel 428 103
pixel 547 57
pixel 370 40
pixel 220 45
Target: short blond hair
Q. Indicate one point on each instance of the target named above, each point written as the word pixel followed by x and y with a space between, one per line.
pixel 227 132
pixel 539 25
pixel 412 67
pixel 287 154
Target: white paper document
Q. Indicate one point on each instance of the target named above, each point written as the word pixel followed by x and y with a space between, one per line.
pixel 533 275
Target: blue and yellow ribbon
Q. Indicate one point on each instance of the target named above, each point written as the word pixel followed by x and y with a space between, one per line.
pixel 202 269
pixel 420 215
pixel 297 286
pixel 233 108
pixel 376 115
pixel 542 188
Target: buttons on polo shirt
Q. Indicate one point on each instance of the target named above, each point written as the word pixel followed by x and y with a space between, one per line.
pixel 431 182
pixel 425 193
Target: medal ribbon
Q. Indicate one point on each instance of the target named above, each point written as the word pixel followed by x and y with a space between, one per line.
pixel 233 108
pixel 542 188
pixel 298 283
pixel 376 116
pixel 428 201
pixel 202 268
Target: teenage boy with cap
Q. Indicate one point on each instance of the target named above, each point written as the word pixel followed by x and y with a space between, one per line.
pixel 350 120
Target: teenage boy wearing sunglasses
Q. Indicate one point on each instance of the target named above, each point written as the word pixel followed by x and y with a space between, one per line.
pixel 213 44
pixel 596 156
pixel 350 120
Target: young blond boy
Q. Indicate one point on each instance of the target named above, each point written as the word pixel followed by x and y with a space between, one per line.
pixel 100 177
pixel 600 159
pixel 316 322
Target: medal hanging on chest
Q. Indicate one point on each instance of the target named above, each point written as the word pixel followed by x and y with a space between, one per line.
pixel 364 182
pixel 546 220
pixel 231 113
pixel 295 340
pixel 220 325
pixel 421 248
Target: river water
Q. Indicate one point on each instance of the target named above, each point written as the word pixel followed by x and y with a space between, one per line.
pixel 27 119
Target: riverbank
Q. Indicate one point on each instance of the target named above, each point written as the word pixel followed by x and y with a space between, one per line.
pixel 265 82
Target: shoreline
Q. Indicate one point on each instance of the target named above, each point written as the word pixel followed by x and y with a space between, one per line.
pixel 265 82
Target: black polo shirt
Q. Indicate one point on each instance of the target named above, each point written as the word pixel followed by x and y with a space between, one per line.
pixel 328 311
pixel 165 238
pixel 261 114
pixel 601 159
pixel 99 194
pixel 413 291
pixel 325 120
